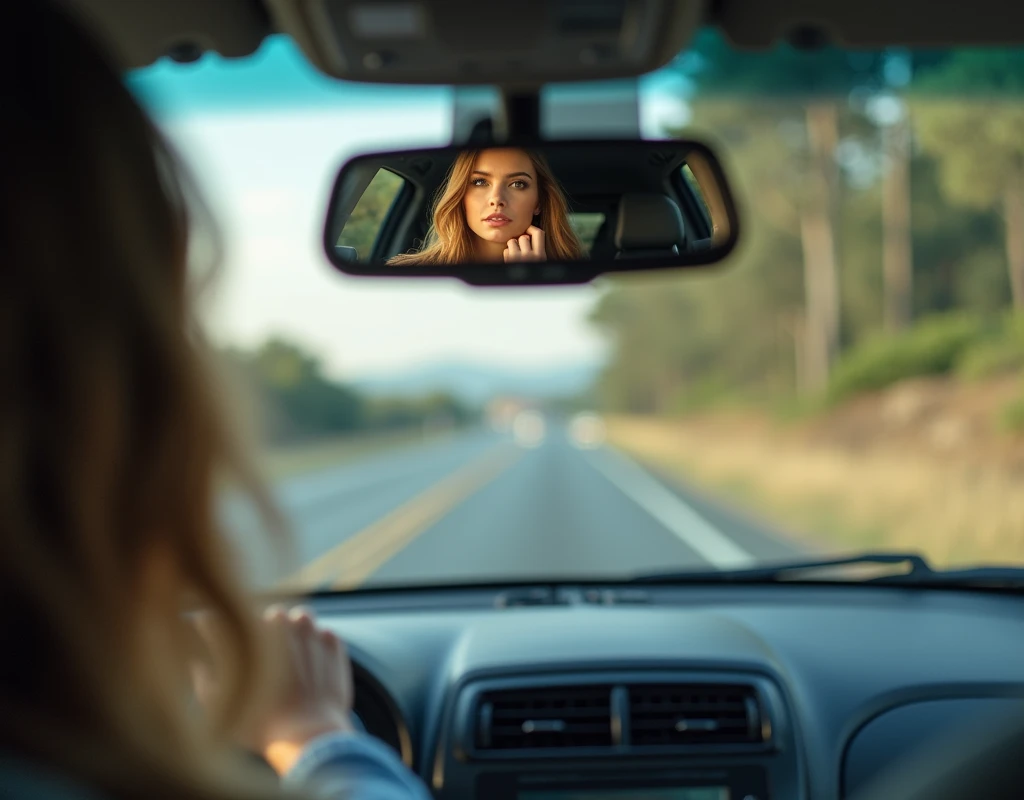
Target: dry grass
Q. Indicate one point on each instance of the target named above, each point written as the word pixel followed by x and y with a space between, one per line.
pixel 954 510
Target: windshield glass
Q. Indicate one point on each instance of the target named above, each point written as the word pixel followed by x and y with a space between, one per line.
pixel 849 380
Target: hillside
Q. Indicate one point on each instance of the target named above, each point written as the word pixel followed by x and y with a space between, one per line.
pixel 923 465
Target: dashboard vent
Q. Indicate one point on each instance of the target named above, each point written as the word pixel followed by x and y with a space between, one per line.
pixel 545 718
pixel 693 714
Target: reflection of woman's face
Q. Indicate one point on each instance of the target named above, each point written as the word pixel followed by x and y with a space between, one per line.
pixel 501 199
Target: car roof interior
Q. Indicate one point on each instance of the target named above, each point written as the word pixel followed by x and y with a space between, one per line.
pixel 142 32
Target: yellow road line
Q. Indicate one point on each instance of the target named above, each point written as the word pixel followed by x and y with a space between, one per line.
pixel 350 563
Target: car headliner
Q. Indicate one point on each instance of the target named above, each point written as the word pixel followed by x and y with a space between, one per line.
pixel 142 32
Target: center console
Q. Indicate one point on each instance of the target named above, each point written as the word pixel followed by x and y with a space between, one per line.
pixel 660 734
pixel 739 783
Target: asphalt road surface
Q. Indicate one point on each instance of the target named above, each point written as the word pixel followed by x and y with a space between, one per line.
pixel 483 506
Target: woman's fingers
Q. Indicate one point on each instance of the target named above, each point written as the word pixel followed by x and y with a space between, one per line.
pixel 315 693
pixel 338 666
pixel 528 247
pixel 320 675
pixel 309 666
pixel 538 241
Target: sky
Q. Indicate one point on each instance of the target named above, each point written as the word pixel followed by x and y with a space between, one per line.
pixel 265 137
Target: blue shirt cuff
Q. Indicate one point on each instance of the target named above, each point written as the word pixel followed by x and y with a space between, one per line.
pixel 355 766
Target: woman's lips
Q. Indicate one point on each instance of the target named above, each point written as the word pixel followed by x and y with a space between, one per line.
pixel 497 220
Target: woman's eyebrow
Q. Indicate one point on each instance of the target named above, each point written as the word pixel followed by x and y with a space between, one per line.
pixel 510 175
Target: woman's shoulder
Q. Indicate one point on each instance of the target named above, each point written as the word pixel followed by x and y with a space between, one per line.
pixel 22 779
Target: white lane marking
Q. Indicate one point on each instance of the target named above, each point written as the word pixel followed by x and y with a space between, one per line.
pixel 671 511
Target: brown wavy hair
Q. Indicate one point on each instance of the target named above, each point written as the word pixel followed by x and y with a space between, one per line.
pixel 113 441
pixel 450 240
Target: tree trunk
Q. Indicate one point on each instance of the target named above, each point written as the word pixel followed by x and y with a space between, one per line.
pixel 817 235
pixel 1013 216
pixel 897 243
pixel 793 331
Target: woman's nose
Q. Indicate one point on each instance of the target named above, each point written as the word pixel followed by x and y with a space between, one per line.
pixel 497 198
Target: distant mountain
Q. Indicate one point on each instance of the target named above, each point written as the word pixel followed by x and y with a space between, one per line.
pixel 476 382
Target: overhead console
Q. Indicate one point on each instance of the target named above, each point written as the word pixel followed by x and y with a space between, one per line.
pixel 662 734
pixel 464 42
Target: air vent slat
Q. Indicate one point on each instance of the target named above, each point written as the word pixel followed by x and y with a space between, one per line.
pixel 665 715
pixel 623 718
pixel 571 716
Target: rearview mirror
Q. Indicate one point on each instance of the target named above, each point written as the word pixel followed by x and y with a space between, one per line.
pixel 555 213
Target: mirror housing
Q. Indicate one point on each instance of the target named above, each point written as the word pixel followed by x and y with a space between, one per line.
pixel 633 206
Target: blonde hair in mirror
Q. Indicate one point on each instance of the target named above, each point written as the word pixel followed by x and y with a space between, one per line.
pixel 450 241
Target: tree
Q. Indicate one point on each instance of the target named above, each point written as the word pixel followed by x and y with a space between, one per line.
pixel 741 331
pixel 815 84
pixel 897 239
pixel 891 114
pixel 300 401
pixel 970 117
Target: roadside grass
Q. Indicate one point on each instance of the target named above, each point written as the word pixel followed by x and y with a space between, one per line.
pixel 954 512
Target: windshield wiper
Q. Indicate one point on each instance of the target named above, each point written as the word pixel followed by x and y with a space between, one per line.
pixel 905 569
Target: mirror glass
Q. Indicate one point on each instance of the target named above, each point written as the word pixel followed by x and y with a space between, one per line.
pixel 558 212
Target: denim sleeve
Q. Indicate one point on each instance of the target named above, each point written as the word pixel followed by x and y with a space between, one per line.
pixel 354 766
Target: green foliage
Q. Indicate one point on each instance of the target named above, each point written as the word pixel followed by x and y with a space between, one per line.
pixel 975 142
pixel 785 71
pixel 735 333
pixel 931 347
pixel 973 72
pixel 705 393
pixel 1012 418
pixel 390 413
pixel 586 225
pixel 364 223
pixel 299 402
pixel 1002 354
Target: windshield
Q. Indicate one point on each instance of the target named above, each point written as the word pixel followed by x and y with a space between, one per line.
pixel 849 380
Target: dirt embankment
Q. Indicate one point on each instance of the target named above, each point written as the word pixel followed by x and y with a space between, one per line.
pixel 923 466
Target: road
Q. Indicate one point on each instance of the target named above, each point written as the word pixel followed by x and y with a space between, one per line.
pixel 478 506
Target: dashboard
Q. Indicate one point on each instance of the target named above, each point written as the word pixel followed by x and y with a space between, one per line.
pixel 697 692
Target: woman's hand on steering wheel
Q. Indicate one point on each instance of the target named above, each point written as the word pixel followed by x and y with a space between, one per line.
pixel 313 697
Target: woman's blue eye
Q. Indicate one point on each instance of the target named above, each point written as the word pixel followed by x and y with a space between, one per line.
pixel 520 184
pixel 478 182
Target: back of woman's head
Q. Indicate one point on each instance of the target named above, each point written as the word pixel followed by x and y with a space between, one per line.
pixel 111 440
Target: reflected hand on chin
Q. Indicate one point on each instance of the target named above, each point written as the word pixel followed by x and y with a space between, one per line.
pixel 528 247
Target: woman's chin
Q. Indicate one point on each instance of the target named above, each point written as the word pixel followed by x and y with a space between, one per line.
pixel 499 235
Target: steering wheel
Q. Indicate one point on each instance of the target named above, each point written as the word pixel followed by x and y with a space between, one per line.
pixel 969 763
